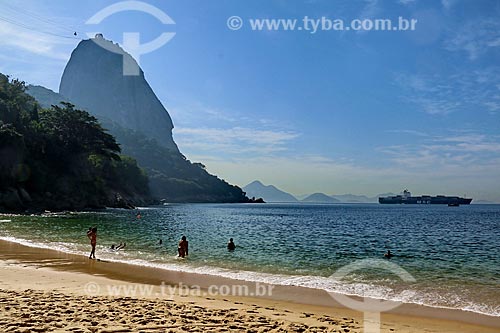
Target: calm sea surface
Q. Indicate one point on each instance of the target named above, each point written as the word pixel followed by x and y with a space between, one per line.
pixel 452 252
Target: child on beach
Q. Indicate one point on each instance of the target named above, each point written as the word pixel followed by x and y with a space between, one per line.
pixel 92 235
pixel 183 247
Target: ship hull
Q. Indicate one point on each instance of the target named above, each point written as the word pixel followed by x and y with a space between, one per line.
pixel 424 200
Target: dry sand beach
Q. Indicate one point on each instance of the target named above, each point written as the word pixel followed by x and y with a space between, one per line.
pixel 48 291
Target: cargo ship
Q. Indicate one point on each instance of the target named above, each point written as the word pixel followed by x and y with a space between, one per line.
pixel 406 198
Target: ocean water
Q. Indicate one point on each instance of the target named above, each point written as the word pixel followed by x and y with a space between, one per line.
pixel 451 252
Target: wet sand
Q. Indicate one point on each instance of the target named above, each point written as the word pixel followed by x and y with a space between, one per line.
pixel 45 290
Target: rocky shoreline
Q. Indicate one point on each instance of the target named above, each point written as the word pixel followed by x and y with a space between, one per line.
pixel 18 200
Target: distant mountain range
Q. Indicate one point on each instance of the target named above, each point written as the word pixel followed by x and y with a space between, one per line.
pixel 320 198
pixel 352 198
pixel 271 193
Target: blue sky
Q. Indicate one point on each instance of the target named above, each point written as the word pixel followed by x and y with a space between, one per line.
pixel 333 112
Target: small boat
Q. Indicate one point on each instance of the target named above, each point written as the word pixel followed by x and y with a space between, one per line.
pixel 454 204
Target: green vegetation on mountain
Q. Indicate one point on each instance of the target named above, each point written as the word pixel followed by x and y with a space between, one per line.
pixel 60 158
pixel 172 177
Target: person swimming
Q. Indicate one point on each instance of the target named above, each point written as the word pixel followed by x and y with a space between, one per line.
pixel 183 247
pixel 231 246
pixel 388 254
pixel 118 247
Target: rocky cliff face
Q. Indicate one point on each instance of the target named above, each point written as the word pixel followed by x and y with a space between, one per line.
pixel 94 80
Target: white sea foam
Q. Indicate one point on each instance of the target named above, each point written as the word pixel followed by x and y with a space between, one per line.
pixel 316 282
pixel 58 246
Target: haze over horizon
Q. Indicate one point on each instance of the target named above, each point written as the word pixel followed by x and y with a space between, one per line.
pixel 332 112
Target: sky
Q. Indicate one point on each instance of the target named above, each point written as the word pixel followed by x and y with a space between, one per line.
pixel 361 112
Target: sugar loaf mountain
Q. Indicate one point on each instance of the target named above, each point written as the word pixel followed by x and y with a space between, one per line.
pixel 104 140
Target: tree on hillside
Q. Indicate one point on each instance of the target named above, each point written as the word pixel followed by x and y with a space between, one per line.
pixel 75 132
pixel 61 155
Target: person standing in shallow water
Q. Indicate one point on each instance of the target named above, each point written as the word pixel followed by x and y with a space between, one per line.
pixel 183 247
pixel 92 235
pixel 231 246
